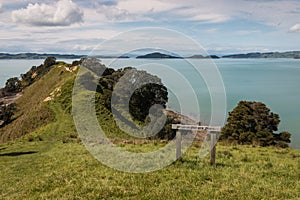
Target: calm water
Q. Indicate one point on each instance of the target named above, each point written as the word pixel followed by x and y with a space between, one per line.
pixel 276 82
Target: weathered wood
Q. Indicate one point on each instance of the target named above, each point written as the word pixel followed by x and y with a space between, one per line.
pixel 195 127
pixel 213 142
pixel 178 144
pixel 213 131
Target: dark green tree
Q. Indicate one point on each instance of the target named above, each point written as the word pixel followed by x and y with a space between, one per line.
pixel 132 89
pixel 145 97
pixel 283 136
pixel 28 77
pixel 13 85
pixel 6 113
pixel 49 61
pixel 252 122
pixel 141 89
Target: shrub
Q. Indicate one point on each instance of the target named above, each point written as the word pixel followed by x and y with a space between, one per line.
pixel 254 123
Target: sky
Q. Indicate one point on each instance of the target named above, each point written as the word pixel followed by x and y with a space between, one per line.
pixel 219 26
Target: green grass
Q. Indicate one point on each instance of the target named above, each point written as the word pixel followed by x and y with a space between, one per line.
pixel 32 112
pixel 49 162
pixel 45 170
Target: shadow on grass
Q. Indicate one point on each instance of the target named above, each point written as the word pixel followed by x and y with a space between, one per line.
pixel 18 153
pixel 2 148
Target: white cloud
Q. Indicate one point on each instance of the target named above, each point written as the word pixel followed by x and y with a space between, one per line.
pixel 247 32
pixel 138 6
pixel 295 28
pixel 204 12
pixel 61 13
pixel 151 10
pixel 209 18
pixel 113 13
pixel 132 10
pixel 1 8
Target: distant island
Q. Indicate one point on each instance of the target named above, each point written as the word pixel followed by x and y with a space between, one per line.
pixel 31 56
pixel 7 56
pixel 288 54
pixel 157 55
pixel 154 55
pixel 204 57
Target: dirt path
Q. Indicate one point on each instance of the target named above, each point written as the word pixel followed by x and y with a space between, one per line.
pixel 10 98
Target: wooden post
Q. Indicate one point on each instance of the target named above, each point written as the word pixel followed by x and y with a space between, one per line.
pixel 213 130
pixel 213 142
pixel 178 144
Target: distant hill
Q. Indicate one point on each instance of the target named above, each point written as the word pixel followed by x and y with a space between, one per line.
pixel 154 55
pixel 204 57
pixel 109 57
pixel 288 54
pixel 157 55
pixel 39 56
pixel 45 55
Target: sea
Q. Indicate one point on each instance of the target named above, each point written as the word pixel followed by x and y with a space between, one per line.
pixel 200 87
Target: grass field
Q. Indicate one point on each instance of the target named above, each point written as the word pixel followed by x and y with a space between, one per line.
pixel 57 170
pixel 49 161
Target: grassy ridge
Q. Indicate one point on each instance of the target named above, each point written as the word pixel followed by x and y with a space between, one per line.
pixel 67 171
pixel 51 163
pixel 33 113
pixel 52 120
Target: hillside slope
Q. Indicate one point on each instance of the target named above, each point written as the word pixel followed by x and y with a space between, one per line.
pixel 37 170
pixel 34 107
pixel 49 162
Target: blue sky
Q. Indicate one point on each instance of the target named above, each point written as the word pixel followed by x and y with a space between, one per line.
pixel 220 26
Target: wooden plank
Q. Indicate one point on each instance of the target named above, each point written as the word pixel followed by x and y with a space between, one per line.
pixel 178 144
pixel 213 142
pixel 213 130
pixel 195 127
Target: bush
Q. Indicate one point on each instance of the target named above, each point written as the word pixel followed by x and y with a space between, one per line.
pixel 13 85
pixel 49 61
pixel 6 113
pixel 254 123
pixel 282 144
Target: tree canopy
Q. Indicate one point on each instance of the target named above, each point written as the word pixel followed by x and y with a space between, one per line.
pixel 142 98
pixel 49 61
pixel 13 85
pixel 6 113
pixel 253 122
pixel 128 93
pixel 36 73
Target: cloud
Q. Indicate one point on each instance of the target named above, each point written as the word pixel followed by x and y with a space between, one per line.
pixel 1 8
pixel 61 13
pixel 151 10
pixel 209 18
pixel 247 32
pixel 203 12
pixel 295 28
pixel 138 6
pixel 113 13
pixel 134 10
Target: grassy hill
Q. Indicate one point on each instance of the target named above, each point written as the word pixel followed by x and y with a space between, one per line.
pixel 41 157
pixel 43 170
pixel 33 112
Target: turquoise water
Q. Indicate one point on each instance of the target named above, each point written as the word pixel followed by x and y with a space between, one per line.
pixel 13 68
pixel 276 82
